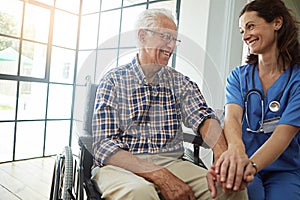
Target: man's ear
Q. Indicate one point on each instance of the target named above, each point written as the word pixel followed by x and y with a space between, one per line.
pixel 277 23
pixel 141 35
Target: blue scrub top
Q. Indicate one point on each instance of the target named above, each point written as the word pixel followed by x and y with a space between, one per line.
pixel 239 82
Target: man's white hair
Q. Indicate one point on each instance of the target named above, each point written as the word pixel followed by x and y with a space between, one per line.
pixel 149 18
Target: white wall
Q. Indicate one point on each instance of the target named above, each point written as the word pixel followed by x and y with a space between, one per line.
pixel 211 44
pixel 211 47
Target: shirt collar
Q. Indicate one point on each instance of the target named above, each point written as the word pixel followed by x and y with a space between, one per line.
pixel 140 74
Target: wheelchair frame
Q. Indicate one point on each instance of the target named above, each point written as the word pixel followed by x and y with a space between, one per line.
pixel 72 173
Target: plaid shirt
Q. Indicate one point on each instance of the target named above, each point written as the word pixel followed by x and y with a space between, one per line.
pixel 132 115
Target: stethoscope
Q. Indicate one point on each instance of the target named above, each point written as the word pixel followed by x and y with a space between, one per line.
pixel 274 105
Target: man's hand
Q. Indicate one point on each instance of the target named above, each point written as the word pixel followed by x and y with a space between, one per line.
pixel 170 186
pixel 211 178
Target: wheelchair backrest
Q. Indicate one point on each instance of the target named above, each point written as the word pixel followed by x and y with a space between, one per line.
pixel 91 89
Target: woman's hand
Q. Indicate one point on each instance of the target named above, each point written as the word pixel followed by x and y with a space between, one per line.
pixel 231 167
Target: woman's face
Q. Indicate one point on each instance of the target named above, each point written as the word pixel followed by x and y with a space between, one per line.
pixel 259 35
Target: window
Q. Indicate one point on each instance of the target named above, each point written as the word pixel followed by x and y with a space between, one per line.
pixel 47 49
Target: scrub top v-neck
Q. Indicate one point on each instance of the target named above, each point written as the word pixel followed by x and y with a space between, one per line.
pixel 239 82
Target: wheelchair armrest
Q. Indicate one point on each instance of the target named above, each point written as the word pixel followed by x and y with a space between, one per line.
pixel 194 139
pixel 86 156
pixel 86 141
pixel 193 156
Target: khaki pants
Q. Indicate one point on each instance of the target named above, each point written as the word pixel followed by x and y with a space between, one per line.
pixel 117 183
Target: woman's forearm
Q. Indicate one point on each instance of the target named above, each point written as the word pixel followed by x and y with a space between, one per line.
pixel 274 146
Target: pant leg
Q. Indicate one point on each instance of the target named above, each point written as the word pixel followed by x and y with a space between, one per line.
pixel 255 189
pixel 117 184
pixel 195 176
pixel 283 185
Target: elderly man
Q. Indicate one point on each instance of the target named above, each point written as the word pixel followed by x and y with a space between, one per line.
pixel 137 123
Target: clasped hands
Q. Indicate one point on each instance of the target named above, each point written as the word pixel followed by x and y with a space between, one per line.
pixel 232 171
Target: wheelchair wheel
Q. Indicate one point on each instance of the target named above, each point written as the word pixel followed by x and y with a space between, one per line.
pixel 63 176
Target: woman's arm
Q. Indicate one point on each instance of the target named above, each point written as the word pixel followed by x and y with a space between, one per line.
pixel 231 165
pixel 274 146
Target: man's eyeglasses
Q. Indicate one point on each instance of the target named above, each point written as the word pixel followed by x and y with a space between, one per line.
pixel 168 37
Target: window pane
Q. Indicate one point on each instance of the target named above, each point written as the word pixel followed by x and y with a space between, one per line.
pixel 30 139
pixel 89 31
pixel 65 29
pixel 9 55
pixel 66 5
pixel 170 5
pixel 62 65
pixel 36 23
pixel 106 59
pixel 60 101
pixel 32 100
pixel 128 36
pixel 57 136
pixel 109 4
pixel 131 2
pixel 109 29
pixel 33 60
pixel 85 65
pixel 126 56
pixel 48 2
pixel 74 142
pixel 11 17
pixel 7 141
pixel 90 6
pixel 129 17
pixel 8 91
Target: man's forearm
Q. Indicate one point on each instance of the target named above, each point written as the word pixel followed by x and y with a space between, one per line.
pixel 159 176
pixel 126 160
pixel 213 135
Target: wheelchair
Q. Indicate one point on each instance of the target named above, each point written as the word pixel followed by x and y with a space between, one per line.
pixel 72 173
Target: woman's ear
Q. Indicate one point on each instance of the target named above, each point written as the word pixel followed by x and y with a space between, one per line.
pixel 277 23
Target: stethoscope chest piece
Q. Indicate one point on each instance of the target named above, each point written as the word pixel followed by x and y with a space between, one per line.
pixel 274 106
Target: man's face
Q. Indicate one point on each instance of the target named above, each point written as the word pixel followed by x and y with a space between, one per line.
pixel 159 42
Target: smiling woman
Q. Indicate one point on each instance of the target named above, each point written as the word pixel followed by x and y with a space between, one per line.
pixel 294 6
pixel 262 118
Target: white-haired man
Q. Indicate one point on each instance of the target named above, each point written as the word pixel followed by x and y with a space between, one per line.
pixel 137 123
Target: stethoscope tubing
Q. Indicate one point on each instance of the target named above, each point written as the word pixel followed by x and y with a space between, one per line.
pixel 276 102
pixel 254 91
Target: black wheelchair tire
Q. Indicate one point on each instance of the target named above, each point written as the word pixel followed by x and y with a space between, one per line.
pixel 62 181
pixel 67 177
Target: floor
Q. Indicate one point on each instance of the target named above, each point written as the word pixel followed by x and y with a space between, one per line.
pixel 28 180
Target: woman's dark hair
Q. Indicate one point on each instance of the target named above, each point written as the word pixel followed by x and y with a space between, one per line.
pixel 287 41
